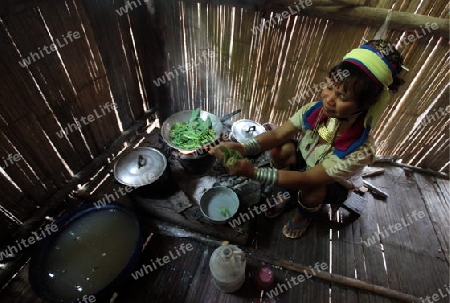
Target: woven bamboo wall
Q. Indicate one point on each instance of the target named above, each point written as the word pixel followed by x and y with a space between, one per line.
pixel 105 65
pixel 260 72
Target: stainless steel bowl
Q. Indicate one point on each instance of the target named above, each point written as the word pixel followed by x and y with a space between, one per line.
pixel 184 116
pixel 217 199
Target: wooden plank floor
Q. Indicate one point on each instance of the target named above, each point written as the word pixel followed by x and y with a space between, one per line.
pixel 414 259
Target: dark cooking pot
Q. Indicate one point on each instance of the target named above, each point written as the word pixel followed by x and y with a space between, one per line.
pixel 146 170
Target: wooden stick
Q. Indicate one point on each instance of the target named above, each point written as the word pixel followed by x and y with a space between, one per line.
pixel 375 190
pixel 391 160
pixel 163 228
pixel 386 159
pixel 338 279
pixel 183 220
pixel 422 170
pixel 401 21
pixel 371 172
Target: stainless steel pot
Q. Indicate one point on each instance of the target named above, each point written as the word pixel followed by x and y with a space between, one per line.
pixel 140 166
pixel 245 129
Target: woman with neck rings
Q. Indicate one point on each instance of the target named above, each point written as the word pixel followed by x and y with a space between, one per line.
pixel 335 144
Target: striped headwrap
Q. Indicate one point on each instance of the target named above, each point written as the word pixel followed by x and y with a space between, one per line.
pixel 380 70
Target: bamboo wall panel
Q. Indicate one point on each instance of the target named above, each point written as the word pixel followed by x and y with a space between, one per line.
pixel 260 71
pixel 8 227
pixel 40 99
pixel 112 34
pixel 31 183
pixel 150 54
pixel 10 202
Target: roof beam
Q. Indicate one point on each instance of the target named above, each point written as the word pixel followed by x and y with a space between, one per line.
pixel 338 10
pixel 351 11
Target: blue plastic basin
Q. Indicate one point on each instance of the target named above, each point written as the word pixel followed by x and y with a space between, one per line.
pixel 93 251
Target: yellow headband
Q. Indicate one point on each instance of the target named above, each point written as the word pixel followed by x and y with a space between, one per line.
pixel 372 64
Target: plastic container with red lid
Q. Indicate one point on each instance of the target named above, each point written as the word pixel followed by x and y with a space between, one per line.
pixel 264 278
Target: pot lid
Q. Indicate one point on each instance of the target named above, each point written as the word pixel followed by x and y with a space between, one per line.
pixel 245 129
pixel 140 166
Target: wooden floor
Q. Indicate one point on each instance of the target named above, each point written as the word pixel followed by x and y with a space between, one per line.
pixel 414 259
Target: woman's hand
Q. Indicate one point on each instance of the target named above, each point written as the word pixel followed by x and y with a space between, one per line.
pixel 217 151
pixel 231 145
pixel 242 167
pixel 239 167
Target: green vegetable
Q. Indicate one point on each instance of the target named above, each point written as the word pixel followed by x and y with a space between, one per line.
pixel 225 212
pixel 193 134
pixel 231 155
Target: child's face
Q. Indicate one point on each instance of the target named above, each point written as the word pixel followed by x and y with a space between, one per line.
pixel 338 103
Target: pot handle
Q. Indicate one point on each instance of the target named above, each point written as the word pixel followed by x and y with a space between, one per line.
pixel 141 161
pixel 251 129
pixel 228 116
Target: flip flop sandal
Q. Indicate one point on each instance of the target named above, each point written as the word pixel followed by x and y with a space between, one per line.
pixel 302 228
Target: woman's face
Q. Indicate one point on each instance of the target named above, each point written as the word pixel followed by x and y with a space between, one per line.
pixel 338 103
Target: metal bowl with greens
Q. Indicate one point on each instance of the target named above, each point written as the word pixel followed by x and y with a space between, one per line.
pixel 190 130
